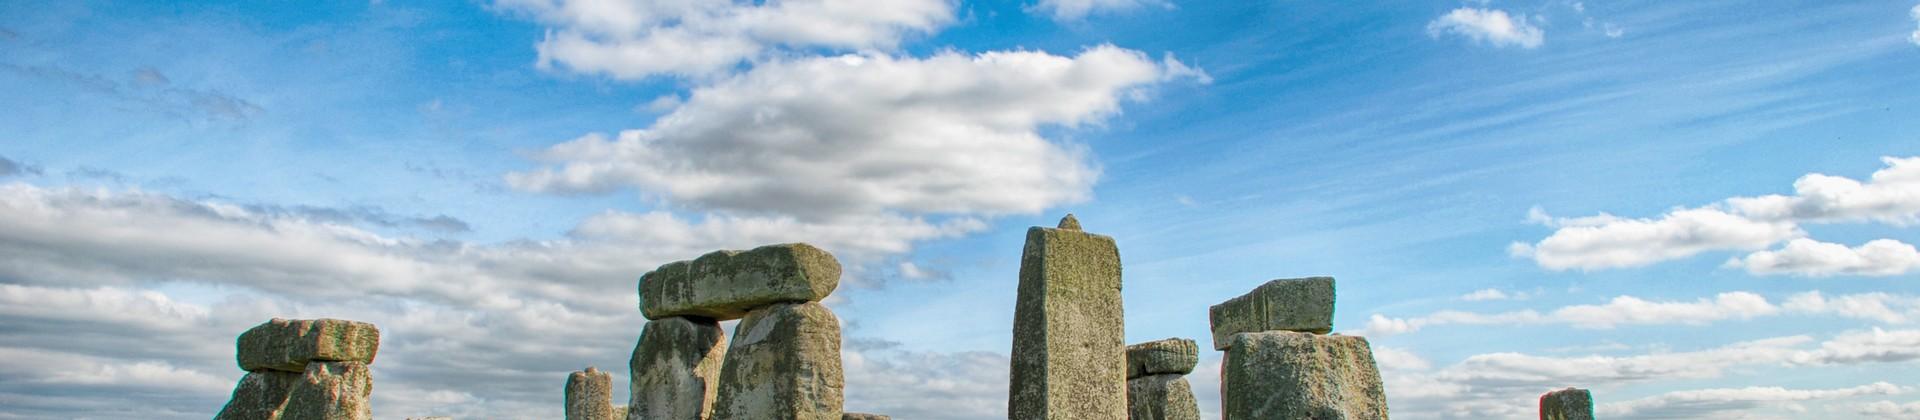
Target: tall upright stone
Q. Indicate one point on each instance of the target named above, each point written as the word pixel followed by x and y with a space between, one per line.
pixel 676 369
pixel 331 391
pixel 1295 375
pixel 783 363
pixel 1567 404
pixel 1069 349
pixel 259 396
pixel 589 395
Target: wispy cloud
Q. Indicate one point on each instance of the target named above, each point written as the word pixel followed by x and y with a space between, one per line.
pixel 1491 26
pixel 1073 10
pixel 1630 310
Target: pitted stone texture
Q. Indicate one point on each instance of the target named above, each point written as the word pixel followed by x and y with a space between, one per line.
pixel 724 285
pixel 1069 349
pixel 1161 397
pixel 1292 375
pixel 865 416
pixel 783 363
pixel 1567 404
pixel 1173 355
pixel 259 396
pixel 589 395
pixel 287 345
pixel 676 369
pixel 1299 305
pixel 331 391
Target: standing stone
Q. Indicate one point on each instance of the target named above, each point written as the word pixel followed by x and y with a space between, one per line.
pixel 1174 355
pixel 1567 404
pixel 590 395
pixel 676 369
pixel 287 345
pixel 1293 375
pixel 724 285
pixel 1161 397
pixel 783 363
pixel 1069 353
pixel 1300 305
pixel 865 416
pixel 259 396
pixel 331 391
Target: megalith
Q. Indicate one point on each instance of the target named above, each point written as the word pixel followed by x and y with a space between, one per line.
pixel 1296 375
pixel 1567 404
pixel 725 285
pixel 1069 349
pixel 260 395
pixel 331 391
pixel 675 369
pixel 1157 387
pixel 783 363
pixel 1302 305
pixel 590 395
pixel 304 369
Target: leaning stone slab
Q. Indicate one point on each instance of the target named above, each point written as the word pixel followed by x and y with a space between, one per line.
pixel 1300 305
pixel 1069 349
pixel 1567 404
pixel 676 369
pixel 1293 375
pixel 1174 355
pixel 724 285
pixel 589 395
pixel 865 416
pixel 287 345
pixel 331 391
pixel 259 396
pixel 1161 397
pixel 783 363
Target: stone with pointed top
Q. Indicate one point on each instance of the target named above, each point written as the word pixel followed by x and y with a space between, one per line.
pixel 1567 404
pixel 589 395
pixel 1069 349
pixel 1069 223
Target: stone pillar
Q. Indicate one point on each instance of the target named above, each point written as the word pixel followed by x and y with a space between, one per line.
pixel 676 369
pixel 331 391
pixel 783 363
pixel 1157 387
pixel 590 395
pixel 1567 404
pixel 301 369
pixel 1285 375
pixel 1069 349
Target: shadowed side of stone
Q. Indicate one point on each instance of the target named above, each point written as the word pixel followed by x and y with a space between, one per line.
pixel 864 416
pixel 1174 355
pixel 724 285
pixel 783 363
pixel 1069 353
pixel 331 391
pixel 259 396
pixel 1293 375
pixel 589 395
pixel 676 369
pixel 287 345
pixel 1300 305
pixel 1161 397
pixel 1567 404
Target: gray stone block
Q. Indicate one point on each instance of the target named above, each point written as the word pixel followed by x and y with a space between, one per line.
pixel 590 395
pixel 331 391
pixel 288 345
pixel 1293 375
pixel 1299 305
pixel 1161 397
pixel 724 285
pixel 1173 355
pixel 260 395
pixel 676 369
pixel 783 363
pixel 1069 349
pixel 1567 404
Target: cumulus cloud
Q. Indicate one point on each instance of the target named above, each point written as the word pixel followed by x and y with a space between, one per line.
pixel 1622 310
pixel 1890 409
pixel 1494 294
pixel 1606 241
pixel 633 40
pixel 1706 403
pixel 864 134
pixel 1071 10
pixel 1493 27
pixel 1811 258
pixel 1890 195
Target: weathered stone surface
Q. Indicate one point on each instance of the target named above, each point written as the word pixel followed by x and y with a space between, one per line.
pixel 289 344
pixel 1173 355
pixel 331 391
pixel 865 416
pixel 1069 353
pixel 725 285
pixel 1161 397
pixel 1299 305
pixel 1293 375
pixel 1567 404
pixel 259 396
pixel 783 363
pixel 590 395
pixel 676 369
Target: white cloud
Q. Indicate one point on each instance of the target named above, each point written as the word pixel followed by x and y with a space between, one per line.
pixel 1811 258
pixel 1622 310
pixel 1915 36
pixel 1878 307
pixel 1606 241
pixel 1704 403
pixel 1891 410
pixel 1070 10
pixel 633 40
pixel 865 134
pixel 1855 347
pixel 1494 294
pixel 1493 27
pixel 1891 195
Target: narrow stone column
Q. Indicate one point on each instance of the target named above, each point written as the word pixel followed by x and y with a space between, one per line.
pixel 676 369
pixel 1069 349
pixel 1567 404
pixel 589 395
pixel 331 391
pixel 783 363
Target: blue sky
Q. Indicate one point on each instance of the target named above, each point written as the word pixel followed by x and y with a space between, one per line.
pixel 1695 209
